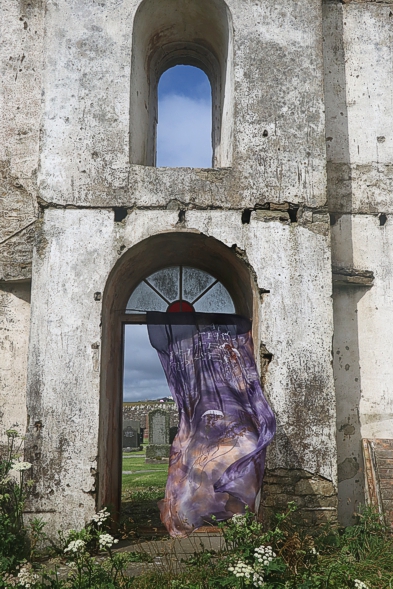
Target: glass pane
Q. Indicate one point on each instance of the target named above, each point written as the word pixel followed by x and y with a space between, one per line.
pixel 167 282
pixel 194 283
pixel 145 299
pixel 216 300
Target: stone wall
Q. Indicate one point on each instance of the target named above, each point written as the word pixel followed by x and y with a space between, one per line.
pixel 140 410
pixel 315 497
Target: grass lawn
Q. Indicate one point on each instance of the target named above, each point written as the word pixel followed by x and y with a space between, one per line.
pixel 138 463
pixel 140 492
pixel 142 480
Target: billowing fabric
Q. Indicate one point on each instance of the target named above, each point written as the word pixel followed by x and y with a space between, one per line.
pixel 217 459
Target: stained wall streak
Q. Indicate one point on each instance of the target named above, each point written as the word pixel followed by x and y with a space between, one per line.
pixel 359 140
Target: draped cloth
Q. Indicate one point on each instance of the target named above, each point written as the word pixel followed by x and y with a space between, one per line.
pixel 217 458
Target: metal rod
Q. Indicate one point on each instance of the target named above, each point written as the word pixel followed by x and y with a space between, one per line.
pixel 204 292
pixel 157 292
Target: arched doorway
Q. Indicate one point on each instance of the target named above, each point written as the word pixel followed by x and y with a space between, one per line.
pixel 189 255
pixel 150 412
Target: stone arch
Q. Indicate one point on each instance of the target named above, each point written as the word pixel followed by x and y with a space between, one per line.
pixel 144 258
pixel 180 32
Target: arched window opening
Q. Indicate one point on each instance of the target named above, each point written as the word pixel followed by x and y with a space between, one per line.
pixel 180 289
pixel 187 33
pixel 184 129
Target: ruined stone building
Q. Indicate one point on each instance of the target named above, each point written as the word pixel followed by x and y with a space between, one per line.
pixel 294 218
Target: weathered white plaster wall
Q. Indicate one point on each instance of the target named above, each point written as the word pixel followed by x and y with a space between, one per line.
pixel 296 324
pixel 20 113
pixel 372 248
pixel 14 334
pixel 85 139
pixel 359 91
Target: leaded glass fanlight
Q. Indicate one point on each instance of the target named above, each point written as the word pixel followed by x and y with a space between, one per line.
pixel 180 289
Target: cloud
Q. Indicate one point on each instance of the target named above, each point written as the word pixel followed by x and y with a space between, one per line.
pixel 184 132
pixel 143 374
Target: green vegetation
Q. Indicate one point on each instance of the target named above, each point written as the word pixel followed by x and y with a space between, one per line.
pixel 140 492
pixel 144 480
pixel 284 557
pixel 141 475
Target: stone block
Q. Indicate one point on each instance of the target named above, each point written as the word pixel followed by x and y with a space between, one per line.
pixel 315 487
pixel 157 451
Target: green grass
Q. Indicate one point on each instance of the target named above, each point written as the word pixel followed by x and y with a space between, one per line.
pixel 144 480
pixel 140 464
pixel 144 475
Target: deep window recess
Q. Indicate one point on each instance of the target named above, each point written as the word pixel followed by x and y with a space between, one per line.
pixel 180 288
pixel 184 129
pixel 169 33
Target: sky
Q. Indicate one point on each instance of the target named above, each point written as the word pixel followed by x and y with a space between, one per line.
pixel 184 118
pixel 143 375
pixel 183 139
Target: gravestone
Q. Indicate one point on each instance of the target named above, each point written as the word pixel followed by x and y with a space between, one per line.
pixel 159 445
pixel 173 433
pixel 132 435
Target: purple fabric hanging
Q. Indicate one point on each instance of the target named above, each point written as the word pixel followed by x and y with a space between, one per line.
pixel 217 458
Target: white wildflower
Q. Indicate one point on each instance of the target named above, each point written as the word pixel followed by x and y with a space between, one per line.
pixel 242 570
pixel 106 541
pixel 76 546
pixel 360 584
pixel 239 519
pixel 20 466
pixel 26 577
pixel 101 517
pixel 264 555
pixel 258 579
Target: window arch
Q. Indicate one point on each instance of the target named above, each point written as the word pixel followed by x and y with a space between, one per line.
pixel 180 288
pixel 180 32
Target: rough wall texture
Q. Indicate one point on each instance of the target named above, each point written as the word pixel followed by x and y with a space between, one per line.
pixel 358 88
pixel 277 186
pixel 20 115
pixel 14 333
pixel 85 150
pixel 290 260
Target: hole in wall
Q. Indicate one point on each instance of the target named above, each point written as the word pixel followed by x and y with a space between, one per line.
pixel 182 217
pixel 292 212
pixel 246 216
pixel 382 219
pixel 184 129
pixel 120 214
pixel 144 389
pixel 265 358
